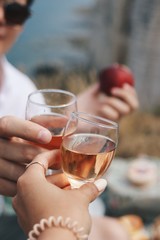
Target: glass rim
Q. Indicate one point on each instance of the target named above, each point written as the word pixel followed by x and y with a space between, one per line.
pixel 52 90
pixel 113 125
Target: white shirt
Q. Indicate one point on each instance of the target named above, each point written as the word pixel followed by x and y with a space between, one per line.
pixel 14 92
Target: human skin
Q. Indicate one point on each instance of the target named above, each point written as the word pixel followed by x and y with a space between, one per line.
pixel 17 152
pixel 107 228
pixel 8 34
pixel 56 199
pixel 14 152
pixel 123 102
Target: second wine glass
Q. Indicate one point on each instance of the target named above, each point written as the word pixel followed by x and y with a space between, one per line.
pixel 51 108
pixel 88 151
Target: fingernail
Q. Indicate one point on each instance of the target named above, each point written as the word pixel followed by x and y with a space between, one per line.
pixel 44 136
pixel 101 184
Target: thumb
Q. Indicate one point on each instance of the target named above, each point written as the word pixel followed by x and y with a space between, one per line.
pixel 94 89
pixel 93 190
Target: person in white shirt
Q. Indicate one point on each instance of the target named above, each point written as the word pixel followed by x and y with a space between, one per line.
pixel 14 90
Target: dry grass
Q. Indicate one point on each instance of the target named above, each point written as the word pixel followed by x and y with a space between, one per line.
pixel 139 132
pixel 74 81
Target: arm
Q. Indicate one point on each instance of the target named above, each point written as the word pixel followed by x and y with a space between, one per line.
pixel 122 102
pixel 37 198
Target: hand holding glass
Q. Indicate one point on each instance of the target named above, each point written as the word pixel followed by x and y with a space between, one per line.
pixel 51 108
pixel 88 150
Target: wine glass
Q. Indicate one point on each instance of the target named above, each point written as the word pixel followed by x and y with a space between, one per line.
pixel 88 150
pixel 51 108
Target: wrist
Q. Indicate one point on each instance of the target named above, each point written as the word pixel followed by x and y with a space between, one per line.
pixel 58 233
pixel 57 225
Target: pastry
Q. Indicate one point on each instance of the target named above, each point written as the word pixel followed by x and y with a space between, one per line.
pixel 131 222
pixel 135 227
pixel 142 172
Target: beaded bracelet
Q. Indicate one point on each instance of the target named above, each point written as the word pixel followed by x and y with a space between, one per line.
pixel 57 222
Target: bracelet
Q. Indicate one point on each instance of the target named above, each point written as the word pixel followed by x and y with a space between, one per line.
pixel 57 222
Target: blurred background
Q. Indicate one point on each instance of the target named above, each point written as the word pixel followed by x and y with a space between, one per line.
pixel 66 43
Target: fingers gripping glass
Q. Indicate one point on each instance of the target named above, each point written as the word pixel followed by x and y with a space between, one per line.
pixel 15 13
pixel 51 108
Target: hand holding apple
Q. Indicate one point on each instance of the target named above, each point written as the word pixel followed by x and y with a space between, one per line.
pixel 112 96
pixel 115 76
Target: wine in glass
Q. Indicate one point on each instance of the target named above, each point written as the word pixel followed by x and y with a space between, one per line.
pixel 51 108
pixel 88 151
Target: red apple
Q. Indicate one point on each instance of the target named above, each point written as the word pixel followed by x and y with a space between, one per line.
pixel 115 76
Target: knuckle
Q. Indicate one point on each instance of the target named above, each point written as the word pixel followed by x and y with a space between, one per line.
pixel 21 182
pixel 125 109
pixel 15 171
pixel 115 116
pixel 135 105
pixel 4 123
pixel 28 153
pixel 12 174
pixel 28 130
pixel 6 188
pixel 92 190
